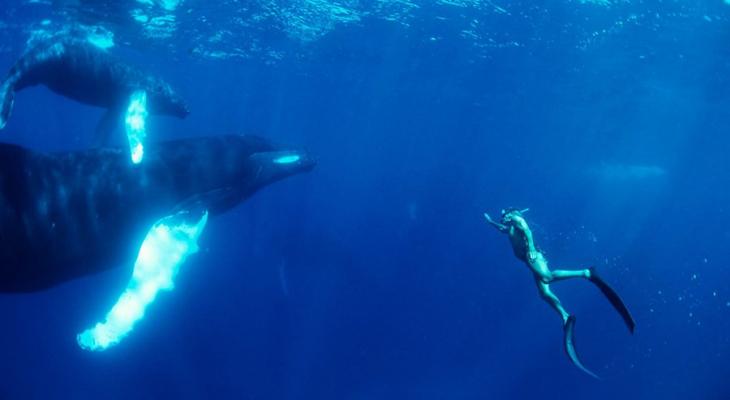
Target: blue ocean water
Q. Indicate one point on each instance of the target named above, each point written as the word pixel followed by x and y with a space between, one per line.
pixel 375 276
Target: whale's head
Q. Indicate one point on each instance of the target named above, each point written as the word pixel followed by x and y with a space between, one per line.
pixel 261 163
pixel 272 166
pixel 220 172
pixel 164 100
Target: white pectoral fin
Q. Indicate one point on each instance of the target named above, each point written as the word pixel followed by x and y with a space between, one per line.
pixel 135 124
pixel 167 244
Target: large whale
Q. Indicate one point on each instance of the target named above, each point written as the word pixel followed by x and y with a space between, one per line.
pixel 66 215
pixel 73 67
pixel 73 214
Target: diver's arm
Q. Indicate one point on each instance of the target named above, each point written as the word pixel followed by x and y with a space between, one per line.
pixel 497 225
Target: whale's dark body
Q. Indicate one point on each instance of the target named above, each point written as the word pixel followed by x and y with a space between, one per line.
pixel 67 215
pixel 73 67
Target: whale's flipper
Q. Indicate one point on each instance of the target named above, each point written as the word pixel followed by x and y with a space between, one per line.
pixel 134 122
pixel 134 114
pixel 569 342
pixel 166 246
pixel 614 298
pixel 107 125
pixel 7 98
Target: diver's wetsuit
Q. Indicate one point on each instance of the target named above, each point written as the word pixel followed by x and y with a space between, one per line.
pixel 514 225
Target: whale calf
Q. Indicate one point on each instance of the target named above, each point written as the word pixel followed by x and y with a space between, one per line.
pixel 75 68
pixel 73 214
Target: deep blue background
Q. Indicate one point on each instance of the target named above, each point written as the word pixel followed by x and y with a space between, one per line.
pixel 375 276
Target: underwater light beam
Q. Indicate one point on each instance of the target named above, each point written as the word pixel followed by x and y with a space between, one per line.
pixel 103 39
pixel 134 123
pixel 166 246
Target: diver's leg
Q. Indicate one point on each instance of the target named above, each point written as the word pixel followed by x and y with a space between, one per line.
pixel 568 326
pixel 539 266
pixel 562 274
pixel 552 300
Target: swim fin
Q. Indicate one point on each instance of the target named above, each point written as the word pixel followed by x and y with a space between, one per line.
pixel 569 342
pixel 613 298
pixel 7 98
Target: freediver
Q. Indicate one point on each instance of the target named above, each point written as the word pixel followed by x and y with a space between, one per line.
pixel 513 224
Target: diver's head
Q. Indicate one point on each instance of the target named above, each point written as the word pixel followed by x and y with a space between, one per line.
pixel 511 212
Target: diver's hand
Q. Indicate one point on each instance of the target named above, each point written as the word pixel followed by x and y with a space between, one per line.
pixel 497 225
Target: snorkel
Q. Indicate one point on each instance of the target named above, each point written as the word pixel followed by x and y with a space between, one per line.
pixel 511 212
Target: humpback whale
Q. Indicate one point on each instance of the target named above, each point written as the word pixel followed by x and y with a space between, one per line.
pixel 73 214
pixel 75 68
